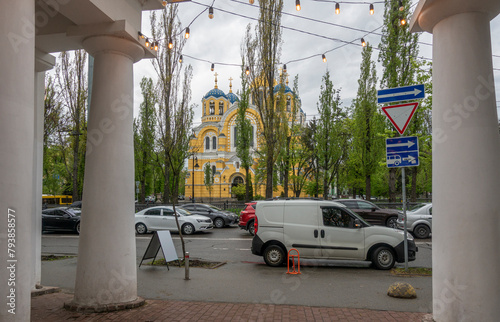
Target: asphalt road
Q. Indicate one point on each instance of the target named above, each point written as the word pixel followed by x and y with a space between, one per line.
pixel 229 244
pixel 244 278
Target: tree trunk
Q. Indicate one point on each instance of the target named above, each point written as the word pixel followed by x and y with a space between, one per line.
pixel 166 186
pixel 413 193
pixel 392 185
pixel 247 186
pixel 269 174
pixel 368 181
pixel 76 152
pixel 325 188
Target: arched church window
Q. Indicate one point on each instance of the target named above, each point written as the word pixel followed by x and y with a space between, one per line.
pixel 288 104
pixel 214 143
pixel 221 108
pixel 207 143
pixel 235 136
pixel 251 138
pixel 238 180
pixel 212 107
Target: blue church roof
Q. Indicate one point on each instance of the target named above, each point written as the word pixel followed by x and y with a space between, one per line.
pixel 277 88
pixel 233 98
pixel 216 93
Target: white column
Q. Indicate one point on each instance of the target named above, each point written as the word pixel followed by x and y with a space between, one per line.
pixel 17 57
pixel 106 269
pixel 43 62
pixel 466 173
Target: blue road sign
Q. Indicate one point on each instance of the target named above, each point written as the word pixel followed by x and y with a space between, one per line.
pixel 402 152
pixel 401 94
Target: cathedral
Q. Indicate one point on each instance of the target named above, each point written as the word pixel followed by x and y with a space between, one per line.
pixel 213 143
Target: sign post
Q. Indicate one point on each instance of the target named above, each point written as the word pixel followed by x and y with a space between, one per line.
pixel 401 152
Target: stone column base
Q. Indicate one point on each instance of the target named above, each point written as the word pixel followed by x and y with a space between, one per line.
pixel 103 308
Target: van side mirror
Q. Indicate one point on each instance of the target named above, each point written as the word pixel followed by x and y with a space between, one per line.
pixel 357 223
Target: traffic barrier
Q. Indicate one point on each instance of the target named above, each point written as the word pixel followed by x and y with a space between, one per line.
pixel 292 257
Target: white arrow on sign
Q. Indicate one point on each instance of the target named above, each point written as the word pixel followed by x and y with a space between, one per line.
pixel 407 144
pixel 410 159
pixel 415 92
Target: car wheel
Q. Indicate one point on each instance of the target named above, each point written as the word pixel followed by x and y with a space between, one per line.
pixel 422 231
pixel 141 229
pixel 187 229
pixel 218 222
pixel 383 258
pixel 251 228
pixel 392 222
pixel 274 256
pixel 77 228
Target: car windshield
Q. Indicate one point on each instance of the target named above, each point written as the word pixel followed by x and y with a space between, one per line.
pixel 214 208
pixel 356 216
pixel 183 212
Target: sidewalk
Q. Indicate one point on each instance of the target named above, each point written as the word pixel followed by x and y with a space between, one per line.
pixel 49 307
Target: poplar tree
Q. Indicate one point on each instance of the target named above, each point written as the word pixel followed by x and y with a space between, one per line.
pixel 398 49
pixel 368 144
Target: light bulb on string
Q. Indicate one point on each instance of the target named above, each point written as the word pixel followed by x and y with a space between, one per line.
pixel 147 42
pixel 187 34
pixel 247 71
pixel 170 44
pixel 324 58
pixel 372 10
pixel 363 42
pixel 401 7
pixel 402 21
pixel 180 59
pixel 212 67
pixel 337 8
pixel 284 68
pixel 297 5
pixel 211 12
pixel 251 1
pixel 156 46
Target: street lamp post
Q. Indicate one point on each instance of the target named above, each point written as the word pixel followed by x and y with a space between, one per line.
pixel 195 165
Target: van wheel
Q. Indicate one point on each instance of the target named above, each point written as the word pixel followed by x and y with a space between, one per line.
pixel 274 256
pixel 251 228
pixel 383 258
pixel 422 231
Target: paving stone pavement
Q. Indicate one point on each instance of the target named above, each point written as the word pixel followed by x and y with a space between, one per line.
pixel 49 307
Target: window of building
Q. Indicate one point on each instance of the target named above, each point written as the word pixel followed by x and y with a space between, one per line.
pixel 212 108
pixel 221 108
pixel 251 138
pixel 214 143
pixel 288 104
pixel 235 131
pixel 207 143
pixel 213 171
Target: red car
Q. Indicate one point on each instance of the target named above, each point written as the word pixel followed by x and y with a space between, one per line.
pixel 247 217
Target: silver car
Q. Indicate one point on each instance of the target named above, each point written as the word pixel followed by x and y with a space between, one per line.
pixel 419 220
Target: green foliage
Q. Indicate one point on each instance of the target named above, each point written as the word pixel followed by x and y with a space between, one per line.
pixel 239 192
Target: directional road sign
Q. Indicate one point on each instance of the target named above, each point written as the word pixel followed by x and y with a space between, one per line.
pixel 402 152
pixel 400 94
pixel 400 115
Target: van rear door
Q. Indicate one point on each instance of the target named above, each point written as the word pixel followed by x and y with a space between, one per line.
pixel 301 228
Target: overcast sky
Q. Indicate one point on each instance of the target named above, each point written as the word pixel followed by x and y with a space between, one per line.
pixel 218 40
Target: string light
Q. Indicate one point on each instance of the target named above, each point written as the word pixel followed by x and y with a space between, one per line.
pixel 141 35
pixel 180 59
pixel 170 44
pixel 164 3
pixel 212 67
pixel 211 12
pixel 337 8
pixel 186 35
pixel 284 68
pixel 247 71
pixel 251 1
pixel 324 58
pixel 363 42
pixel 401 7
pixel 156 46
pixel 297 5
pixel 402 21
pixel 147 42
pixel 372 10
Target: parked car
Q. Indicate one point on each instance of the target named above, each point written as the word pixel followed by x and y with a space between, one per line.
pixel 181 197
pixel 419 220
pixel 221 218
pixel 322 229
pixel 61 219
pixel 372 213
pixel 162 218
pixel 247 217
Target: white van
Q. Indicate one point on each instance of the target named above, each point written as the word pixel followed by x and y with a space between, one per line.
pixel 324 229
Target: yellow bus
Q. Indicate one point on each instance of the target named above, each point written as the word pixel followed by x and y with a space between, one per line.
pixel 57 200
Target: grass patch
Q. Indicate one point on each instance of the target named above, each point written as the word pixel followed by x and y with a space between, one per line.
pixel 192 263
pixel 49 258
pixel 412 271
